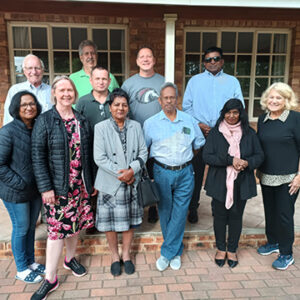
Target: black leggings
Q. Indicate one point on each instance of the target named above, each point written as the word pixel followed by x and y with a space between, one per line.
pixel 232 217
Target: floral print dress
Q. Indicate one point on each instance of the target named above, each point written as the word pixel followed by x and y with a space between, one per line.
pixel 69 215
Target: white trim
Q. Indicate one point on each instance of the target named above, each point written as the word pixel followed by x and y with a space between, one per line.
pixel 228 3
pixel 170 20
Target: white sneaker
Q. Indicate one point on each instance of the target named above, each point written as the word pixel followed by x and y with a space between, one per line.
pixel 175 263
pixel 162 263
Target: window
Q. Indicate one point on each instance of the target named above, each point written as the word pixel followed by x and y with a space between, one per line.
pixel 256 57
pixel 57 46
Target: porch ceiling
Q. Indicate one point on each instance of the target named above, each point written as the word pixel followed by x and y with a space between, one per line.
pixel 223 3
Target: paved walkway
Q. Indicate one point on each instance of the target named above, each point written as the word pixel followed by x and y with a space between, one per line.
pixel 199 278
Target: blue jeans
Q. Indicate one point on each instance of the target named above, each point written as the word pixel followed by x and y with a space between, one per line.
pixel 175 189
pixel 23 217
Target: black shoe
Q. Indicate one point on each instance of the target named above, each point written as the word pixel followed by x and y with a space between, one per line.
pixel 129 267
pixel 152 215
pixel 115 268
pixel 220 262
pixel 45 288
pixel 78 269
pixel 232 263
pixel 193 216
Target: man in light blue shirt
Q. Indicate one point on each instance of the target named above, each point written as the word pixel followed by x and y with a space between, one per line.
pixel 204 97
pixel 171 135
pixel 33 69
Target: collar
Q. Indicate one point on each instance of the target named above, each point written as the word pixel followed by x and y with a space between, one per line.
pixel 94 100
pixel 282 117
pixel 177 119
pixel 33 87
pixel 210 74
pixel 83 74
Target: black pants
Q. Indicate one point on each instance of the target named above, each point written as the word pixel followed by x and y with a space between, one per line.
pixel 279 208
pixel 199 167
pixel 232 217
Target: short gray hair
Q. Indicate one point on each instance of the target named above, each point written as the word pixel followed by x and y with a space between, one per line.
pixel 32 55
pixel 58 79
pixel 169 84
pixel 85 43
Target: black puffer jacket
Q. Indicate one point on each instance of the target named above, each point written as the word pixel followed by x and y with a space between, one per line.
pixel 17 182
pixel 50 153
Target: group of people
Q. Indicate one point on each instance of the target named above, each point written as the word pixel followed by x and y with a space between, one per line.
pixel 83 160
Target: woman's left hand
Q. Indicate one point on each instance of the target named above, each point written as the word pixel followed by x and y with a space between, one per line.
pixel 127 175
pixel 95 192
pixel 294 185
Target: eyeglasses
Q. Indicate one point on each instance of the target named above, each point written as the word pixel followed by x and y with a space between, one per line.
pixel 102 110
pixel 25 105
pixel 33 68
pixel 215 58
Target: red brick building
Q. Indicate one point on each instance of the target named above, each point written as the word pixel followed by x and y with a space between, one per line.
pixel 261 40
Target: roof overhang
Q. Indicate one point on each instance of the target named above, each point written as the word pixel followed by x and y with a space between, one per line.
pixel 228 3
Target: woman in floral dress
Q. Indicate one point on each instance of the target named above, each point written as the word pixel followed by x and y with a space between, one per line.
pixel 62 162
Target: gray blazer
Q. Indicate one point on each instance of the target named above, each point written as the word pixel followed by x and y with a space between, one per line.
pixel 110 158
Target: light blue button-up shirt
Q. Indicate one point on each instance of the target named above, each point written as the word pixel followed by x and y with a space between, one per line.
pixel 172 142
pixel 42 92
pixel 206 94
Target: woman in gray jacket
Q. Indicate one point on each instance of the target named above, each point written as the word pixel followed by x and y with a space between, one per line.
pixel 119 152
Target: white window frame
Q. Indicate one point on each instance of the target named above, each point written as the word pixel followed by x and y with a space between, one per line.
pixel 50 49
pixel 256 31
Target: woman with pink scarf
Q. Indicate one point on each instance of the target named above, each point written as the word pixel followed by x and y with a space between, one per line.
pixel 232 151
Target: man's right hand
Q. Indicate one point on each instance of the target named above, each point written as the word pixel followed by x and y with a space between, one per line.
pixel 204 128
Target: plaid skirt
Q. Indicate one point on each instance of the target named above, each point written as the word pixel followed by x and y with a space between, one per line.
pixel 120 212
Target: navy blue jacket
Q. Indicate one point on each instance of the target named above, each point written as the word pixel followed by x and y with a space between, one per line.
pixel 51 153
pixel 17 182
pixel 215 154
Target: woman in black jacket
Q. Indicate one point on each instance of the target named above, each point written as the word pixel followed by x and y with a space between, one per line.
pixel 17 184
pixel 62 163
pixel 232 151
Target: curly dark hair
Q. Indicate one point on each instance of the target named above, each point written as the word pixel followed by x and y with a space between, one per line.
pixel 14 107
pixel 235 104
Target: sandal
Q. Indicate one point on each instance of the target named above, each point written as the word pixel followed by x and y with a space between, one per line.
pixel 41 269
pixel 32 277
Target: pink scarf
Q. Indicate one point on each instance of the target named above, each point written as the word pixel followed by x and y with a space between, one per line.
pixel 233 135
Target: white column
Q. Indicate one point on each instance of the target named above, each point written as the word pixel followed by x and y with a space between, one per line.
pixel 170 20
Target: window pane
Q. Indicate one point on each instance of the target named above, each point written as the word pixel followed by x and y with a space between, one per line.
pixel 120 79
pixel 43 55
pixel 192 42
pixel 246 105
pixel 228 41
pixel 261 85
pixel 100 38
pixel 117 63
pixel 20 78
pixel 209 40
pixel 39 38
pixel 103 60
pixel 187 80
pixel 192 64
pixel 77 36
pixel 257 111
pixel 46 79
pixel 117 39
pixel 18 59
pixel 61 62
pixel 245 40
pixel 273 80
pixel 21 37
pixel 278 65
pixel 262 65
pixel 264 43
pixel 60 38
pixel 280 43
pixel 229 64
pixel 243 65
pixel 245 85
pixel 76 63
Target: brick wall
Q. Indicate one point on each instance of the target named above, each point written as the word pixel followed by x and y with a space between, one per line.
pixel 147 31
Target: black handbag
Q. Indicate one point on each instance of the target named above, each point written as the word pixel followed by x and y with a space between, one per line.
pixel 147 190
